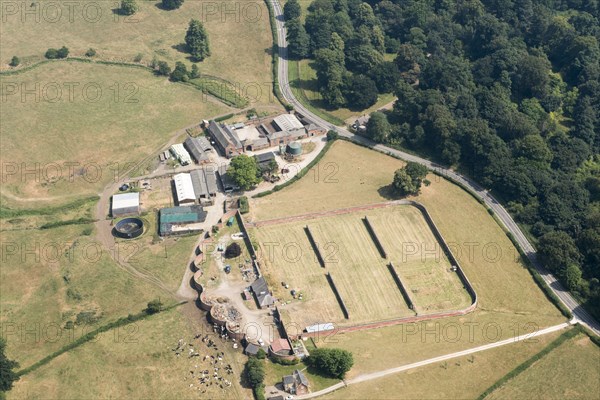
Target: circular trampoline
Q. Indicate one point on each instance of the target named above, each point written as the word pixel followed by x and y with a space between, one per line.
pixel 129 228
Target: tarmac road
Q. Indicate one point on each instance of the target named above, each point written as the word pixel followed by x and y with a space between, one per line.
pixel 579 313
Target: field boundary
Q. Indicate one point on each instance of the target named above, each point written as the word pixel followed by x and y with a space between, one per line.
pixel 378 324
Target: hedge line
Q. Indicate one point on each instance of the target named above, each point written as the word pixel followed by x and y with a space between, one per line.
pixel 300 174
pixel 91 335
pixel 11 213
pixel 78 221
pixel 223 117
pixel 512 374
pixel 209 90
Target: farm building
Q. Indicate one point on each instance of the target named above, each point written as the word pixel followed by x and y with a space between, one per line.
pixel 314 130
pixel 197 149
pixel 225 139
pixel 296 383
pixel 263 160
pixel 181 154
pixel 228 184
pixel 125 204
pixel 252 349
pixel 289 123
pixel 180 220
pixel 261 291
pixel 319 328
pixel 204 182
pixel 184 189
pixel 280 347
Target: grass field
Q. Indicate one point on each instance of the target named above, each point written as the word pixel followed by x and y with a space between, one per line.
pixel 362 277
pixel 460 378
pixel 419 259
pixel 135 361
pixel 58 275
pixel 571 371
pixel 509 301
pixel 239 35
pixel 135 113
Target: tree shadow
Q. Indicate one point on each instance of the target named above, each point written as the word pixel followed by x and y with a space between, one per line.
pixel 181 47
pixel 388 193
pixel 160 6
pixel 118 11
pixel 269 51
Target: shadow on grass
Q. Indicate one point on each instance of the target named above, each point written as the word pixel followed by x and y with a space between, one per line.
pixel 388 193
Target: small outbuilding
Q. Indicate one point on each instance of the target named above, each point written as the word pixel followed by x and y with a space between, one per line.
pixel 125 204
pixel 296 383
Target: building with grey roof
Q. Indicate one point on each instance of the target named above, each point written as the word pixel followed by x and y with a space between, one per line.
pixel 226 182
pixel 261 292
pixel 226 141
pixel 196 150
pixel 204 182
pixel 296 383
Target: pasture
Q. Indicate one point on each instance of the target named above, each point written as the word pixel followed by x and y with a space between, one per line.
pixel 135 361
pixel 572 370
pixel 75 144
pixel 463 377
pixel 239 36
pixel 361 275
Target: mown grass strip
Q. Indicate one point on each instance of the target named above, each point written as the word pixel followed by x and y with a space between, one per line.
pixel 521 368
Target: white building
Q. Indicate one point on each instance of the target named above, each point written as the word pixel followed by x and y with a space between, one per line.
pixel 125 204
pixel 184 189
pixel 181 154
pixel 288 122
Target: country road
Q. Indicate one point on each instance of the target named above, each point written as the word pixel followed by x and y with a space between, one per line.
pixel 577 309
pixel 434 360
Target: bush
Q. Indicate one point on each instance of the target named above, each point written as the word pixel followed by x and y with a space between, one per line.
pixel 128 7
pixel 63 52
pixel 254 372
pixel 90 53
pixel 283 361
pixel 51 54
pixel 180 73
pixel 171 4
pixel 233 250
pixel 138 58
pixel 15 61
pixel 261 354
pixel 155 306
pixel 163 68
pixel 332 135
pixel 243 204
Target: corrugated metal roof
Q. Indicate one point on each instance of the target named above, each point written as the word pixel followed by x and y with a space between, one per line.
pixel 288 122
pixel 181 153
pixel 125 200
pixel 184 187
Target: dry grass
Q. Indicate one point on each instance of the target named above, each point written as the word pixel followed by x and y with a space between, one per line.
pixel 571 371
pixel 509 300
pixel 419 259
pixel 56 274
pixel 135 361
pixel 460 378
pixel 105 135
pixel 240 41
pixel 360 274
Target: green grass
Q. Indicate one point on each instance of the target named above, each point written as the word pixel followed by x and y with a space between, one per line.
pixel 223 90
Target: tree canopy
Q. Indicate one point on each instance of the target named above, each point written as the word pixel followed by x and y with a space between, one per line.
pixel 331 362
pixel 244 171
pixel 196 40
pixel 8 374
